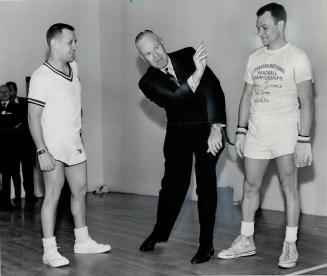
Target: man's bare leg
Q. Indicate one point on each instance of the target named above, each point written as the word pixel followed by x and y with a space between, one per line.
pixel 53 183
pixel 77 179
pixel 254 170
pixel 287 173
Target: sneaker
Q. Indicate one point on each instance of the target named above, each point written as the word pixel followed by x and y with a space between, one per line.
pixel 53 258
pixel 289 255
pixel 241 247
pixel 90 246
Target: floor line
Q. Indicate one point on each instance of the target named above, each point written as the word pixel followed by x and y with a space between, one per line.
pixel 309 269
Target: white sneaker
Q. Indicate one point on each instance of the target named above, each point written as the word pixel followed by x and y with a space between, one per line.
pixel 53 258
pixel 241 247
pixel 289 255
pixel 90 246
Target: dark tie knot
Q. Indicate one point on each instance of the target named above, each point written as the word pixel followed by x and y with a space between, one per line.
pixel 171 76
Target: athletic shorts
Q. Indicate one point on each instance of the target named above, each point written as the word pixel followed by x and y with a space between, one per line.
pixel 268 140
pixel 67 149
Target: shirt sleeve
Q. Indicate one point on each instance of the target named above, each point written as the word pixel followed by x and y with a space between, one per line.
pixel 248 72
pixel 38 90
pixel 302 68
pixel 192 84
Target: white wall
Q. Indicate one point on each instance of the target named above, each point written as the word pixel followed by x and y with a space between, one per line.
pixel 134 128
pixel 23 25
pixel 123 131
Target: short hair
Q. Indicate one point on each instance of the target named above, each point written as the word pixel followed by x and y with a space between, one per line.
pixel 277 11
pixel 57 29
pixel 143 33
pixel 11 84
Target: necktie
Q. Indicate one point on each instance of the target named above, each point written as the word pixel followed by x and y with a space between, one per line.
pixel 171 77
pixel 3 109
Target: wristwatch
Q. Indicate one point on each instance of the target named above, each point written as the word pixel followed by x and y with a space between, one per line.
pixel 215 125
pixel 41 151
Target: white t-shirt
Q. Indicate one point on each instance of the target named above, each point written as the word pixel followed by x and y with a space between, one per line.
pixel 60 95
pixel 274 74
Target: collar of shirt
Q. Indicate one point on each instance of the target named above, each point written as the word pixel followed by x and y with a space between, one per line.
pixel 4 103
pixel 170 68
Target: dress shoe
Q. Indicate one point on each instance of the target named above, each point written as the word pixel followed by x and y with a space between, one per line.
pixel 203 255
pixel 148 244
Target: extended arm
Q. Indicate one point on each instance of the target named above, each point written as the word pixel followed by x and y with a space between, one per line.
pixel 172 95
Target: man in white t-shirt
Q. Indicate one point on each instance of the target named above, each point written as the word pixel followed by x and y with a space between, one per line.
pixel 54 112
pixel 272 126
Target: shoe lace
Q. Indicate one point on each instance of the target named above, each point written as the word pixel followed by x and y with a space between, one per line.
pixel 237 243
pixel 287 251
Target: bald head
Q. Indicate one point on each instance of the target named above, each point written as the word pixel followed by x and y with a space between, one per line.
pixel 151 49
pixel 144 33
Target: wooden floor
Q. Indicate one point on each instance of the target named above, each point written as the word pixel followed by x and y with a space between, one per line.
pixel 124 220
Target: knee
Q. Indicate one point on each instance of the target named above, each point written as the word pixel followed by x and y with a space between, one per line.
pixel 250 188
pixel 289 185
pixel 79 192
pixel 52 197
pixel 206 189
pixel 290 189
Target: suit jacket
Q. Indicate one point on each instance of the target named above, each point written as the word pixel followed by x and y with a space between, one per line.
pixel 26 143
pixel 9 134
pixel 23 107
pixel 182 105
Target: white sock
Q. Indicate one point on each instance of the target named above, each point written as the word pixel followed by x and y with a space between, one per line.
pixel 49 243
pixel 81 234
pixel 247 228
pixel 291 234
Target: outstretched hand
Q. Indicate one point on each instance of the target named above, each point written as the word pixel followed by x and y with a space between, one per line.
pixel 200 57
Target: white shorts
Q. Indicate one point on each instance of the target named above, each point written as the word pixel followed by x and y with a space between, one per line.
pixel 268 140
pixel 66 149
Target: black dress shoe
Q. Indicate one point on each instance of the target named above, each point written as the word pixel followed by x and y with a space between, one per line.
pixel 203 255
pixel 148 244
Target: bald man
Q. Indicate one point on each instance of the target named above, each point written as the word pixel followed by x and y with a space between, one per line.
pixel 182 84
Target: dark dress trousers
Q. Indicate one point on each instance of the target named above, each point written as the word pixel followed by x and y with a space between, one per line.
pixel 27 150
pixel 189 116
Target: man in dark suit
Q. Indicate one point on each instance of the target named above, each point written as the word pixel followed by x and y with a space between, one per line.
pixel 10 167
pixel 25 146
pixel 182 84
